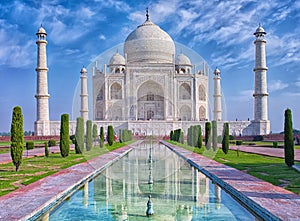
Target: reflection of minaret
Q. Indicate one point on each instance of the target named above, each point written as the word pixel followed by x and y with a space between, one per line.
pixel 150 181
pixel 84 95
pixel 217 196
pixel 42 126
pixel 261 122
pixel 217 96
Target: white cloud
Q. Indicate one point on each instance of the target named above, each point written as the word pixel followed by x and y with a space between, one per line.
pixel 102 37
pixel 277 85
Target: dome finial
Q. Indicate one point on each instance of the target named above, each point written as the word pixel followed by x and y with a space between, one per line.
pixel 147 14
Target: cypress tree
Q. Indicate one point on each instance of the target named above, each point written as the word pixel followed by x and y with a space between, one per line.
pixel 199 141
pixel 17 137
pixel 225 140
pixel 46 149
pixel 208 135
pixel 171 135
pixel 214 135
pixel 64 144
pixel 101 137
pixel 181 137
pixel 89 139
pixel 288 138
pixel 110 135
pixel 95 132
pixel 79 135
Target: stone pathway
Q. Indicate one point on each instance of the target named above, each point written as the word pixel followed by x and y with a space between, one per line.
pixel 29 202
pixel 269 201
pixel 267 151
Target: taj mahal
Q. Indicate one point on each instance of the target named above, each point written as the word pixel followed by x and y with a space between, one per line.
pixel 151 85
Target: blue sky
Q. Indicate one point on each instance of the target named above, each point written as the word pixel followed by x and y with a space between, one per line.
pixel 220 31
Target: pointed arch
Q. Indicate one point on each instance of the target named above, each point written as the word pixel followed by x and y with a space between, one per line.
pixel 185 113
pixel 100 96
pixel 115 91
pixel 202 113
pixel 202 93
pixel 150 101
pixel 184 91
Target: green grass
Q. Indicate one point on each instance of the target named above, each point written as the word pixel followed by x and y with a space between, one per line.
pixel 270 169
pixel 36 168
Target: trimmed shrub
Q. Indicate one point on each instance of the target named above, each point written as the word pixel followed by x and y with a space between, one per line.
pixel 110 135
pixel 288 138
pixel 95 132
pixel 46 149
pixel 225 141
pixel 258 138
pixel 214 135
pixel 238 142
pixel 88 136
pixel 64 143
pixel 79 135
pixel 101 137
pixel 208 135
pixel 199 141
pixel 181 137
pixel 231 137
pixel 125 135
pixel 51 143
pixel 29 145
pixel 171 135
pixel 17 137
pixel 275 144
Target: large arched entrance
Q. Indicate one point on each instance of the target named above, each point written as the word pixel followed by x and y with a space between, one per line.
pixel 150 101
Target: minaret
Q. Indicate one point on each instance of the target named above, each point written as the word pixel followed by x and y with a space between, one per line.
pixel 217 96
pixel 262 124
pixel 42 126
pixel 84 95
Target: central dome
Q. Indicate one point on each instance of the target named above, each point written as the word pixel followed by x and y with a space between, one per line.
pixel 150 44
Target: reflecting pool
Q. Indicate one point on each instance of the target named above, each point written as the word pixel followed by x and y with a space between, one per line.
pixel 178 191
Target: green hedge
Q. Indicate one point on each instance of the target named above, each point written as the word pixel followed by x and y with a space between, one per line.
pixel 125 135
pixel 52 143
pixel 194 136
pixel 29 145
pixel 238 142
pixel 178 136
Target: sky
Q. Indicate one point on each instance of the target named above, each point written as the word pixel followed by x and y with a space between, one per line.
pixel 220 31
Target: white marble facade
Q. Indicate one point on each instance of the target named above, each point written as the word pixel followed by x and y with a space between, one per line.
pixel 151 88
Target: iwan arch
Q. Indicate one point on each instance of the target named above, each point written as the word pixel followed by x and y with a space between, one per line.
pixel 151 86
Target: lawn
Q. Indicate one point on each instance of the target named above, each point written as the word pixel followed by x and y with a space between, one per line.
pixel 33 169
pixel 270 169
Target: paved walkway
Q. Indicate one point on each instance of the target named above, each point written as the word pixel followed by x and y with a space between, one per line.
pixel 267 151
pixel 30 201
pixel 269 201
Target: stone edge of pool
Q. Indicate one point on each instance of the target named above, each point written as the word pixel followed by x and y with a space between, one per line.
pixel 33 200
pixel 268 201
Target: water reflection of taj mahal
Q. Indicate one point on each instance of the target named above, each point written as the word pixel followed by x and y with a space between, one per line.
pixel 151 85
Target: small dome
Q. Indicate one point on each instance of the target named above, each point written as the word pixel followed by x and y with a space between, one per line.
pixel 260 30
pixel 83 70
pixel 41 31
pixel 217 71
pixel 182 59
pixel 117 59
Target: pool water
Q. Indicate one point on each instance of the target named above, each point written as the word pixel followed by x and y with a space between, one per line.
pixel 178 191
